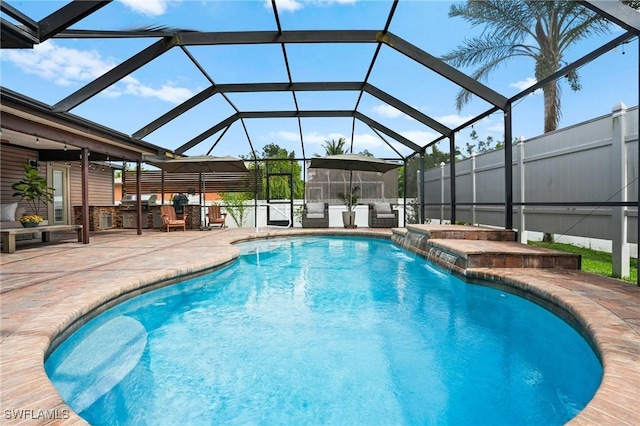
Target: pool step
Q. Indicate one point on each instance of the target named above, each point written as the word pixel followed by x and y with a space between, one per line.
pixel 462 247
pixel 463 232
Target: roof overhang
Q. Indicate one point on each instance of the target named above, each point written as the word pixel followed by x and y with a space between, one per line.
pixel 27 120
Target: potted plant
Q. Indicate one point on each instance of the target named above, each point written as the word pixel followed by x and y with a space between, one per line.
pixel 351 201
pixel 34 190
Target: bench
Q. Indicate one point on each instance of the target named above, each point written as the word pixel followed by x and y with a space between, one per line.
pixel 9 234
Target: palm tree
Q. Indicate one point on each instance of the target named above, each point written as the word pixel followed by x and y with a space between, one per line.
pixel 540 30
pixel 334 147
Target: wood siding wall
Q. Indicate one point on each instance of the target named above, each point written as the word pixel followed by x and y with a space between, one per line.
pixel 100 185
pixel 12 160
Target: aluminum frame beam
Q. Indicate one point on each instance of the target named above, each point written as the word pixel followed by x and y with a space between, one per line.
pixel 271 37
pixel 68 15
pixel 297 114
pixel 14 36
pixel 616 11
pixel 299 87
pixel 114 75
pixel 31 32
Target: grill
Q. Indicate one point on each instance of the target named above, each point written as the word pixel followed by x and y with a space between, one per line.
pixel 128 210
pixel 128 202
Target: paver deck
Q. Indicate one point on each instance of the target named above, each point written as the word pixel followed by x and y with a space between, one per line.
pixel 47 291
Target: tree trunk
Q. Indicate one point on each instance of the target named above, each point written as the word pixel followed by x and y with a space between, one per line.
pixel 551 119
pixel 551 107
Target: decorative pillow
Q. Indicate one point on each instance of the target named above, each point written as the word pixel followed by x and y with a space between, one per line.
pixel 315 208
pixel 8 212
pixel 382 208
pixel 315 215
pixel 385 216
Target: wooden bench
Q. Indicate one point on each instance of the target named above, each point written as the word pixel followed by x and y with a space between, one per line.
pixel 9 234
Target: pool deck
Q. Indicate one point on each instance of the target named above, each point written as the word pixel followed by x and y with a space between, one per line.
pixel 48 289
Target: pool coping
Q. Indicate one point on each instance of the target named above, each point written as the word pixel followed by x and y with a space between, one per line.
pixel 46 313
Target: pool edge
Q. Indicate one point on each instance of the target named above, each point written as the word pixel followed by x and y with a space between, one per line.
pixel 617 342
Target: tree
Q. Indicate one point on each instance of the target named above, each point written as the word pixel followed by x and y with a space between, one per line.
pixel 235 203
pixel 334 147
pixel 480 146
pixel 337 147
pixel 279 187
pixel 539 30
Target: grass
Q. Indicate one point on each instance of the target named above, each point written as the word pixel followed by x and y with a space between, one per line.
pixel 593 261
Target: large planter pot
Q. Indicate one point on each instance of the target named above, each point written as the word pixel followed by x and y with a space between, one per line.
pixel 30 224
pixel 349 219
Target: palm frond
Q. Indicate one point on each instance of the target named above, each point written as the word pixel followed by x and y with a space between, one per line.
pixel 500 19
pixel 157 29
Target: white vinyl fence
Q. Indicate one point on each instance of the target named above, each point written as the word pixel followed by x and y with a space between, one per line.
pixel 592 162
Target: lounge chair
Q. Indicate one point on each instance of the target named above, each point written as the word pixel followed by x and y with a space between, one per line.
pixel 315 215
pixel 382 216
pixel 170 219
pixel 216 217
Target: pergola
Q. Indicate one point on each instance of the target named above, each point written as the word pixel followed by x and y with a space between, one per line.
pixel 25 32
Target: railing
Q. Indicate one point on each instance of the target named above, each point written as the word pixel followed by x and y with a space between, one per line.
pixel 279 211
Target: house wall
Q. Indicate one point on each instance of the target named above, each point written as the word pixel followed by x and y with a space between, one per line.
pixel 101 183
pixel 12 159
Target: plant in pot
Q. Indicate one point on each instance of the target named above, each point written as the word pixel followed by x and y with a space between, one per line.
pixel 351 201
pixel 34 190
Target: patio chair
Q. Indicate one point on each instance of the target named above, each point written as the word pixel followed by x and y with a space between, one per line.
pixel 216 217
pixel 315 215
pixel 382 216
pixel 170 219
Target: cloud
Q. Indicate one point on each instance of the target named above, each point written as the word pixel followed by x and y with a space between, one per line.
pixel 309 138
pixel 65 67
pixel 387 111
pixel 61 65
pixel 524 84
pixel 366 141
pixel 285 136
pixel 295 5
pixel 148 7
pixel 419 137
pixel 497 127
pixel 166 92
pixel 330 2
pixel 285 5
pixel 453 120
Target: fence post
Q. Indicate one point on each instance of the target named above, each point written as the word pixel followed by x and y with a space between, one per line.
pixel 473 188
pixel 441 192
pixel 620 247
pixel 522 230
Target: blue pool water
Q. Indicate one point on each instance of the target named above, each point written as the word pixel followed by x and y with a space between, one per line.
pixel 341 331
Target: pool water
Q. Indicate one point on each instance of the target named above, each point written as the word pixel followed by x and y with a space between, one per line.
pixel 324 330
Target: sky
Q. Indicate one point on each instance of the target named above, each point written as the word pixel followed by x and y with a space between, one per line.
pixel 59 67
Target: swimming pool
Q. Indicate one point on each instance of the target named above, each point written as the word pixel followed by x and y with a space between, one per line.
pixel 326 331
